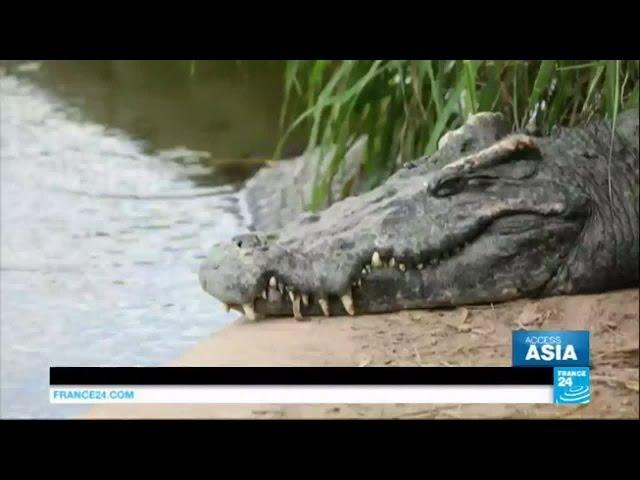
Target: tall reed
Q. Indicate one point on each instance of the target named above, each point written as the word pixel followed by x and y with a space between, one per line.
pixel 404 106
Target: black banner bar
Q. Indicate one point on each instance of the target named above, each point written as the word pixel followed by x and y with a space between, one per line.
pixel 300 376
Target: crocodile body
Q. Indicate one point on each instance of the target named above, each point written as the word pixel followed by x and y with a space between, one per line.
pixel 491 216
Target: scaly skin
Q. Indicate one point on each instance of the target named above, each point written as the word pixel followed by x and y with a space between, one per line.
pixel 490 217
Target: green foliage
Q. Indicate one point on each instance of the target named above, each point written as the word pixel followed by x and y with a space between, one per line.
pixel 403 107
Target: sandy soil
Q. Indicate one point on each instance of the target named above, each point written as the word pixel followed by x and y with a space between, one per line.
pixel 462 336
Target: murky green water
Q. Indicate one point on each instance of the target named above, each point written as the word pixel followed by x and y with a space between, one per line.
pixel 115 179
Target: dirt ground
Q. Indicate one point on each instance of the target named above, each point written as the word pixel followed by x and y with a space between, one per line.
pixel 463 336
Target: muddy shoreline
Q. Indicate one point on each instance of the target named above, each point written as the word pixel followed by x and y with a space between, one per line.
pixel 462 336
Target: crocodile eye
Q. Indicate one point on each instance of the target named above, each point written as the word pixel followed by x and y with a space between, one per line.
pixel 239 243
pixel 450 186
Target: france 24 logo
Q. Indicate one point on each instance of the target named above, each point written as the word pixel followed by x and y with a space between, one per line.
pixel 571 385
pixel 536 348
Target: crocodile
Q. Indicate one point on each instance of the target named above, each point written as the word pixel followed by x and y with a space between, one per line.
pixel 493 215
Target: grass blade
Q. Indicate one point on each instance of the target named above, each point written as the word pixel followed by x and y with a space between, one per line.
pixel 470 68
pixel 542 82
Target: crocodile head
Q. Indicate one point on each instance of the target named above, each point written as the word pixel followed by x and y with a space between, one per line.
pixel 521 217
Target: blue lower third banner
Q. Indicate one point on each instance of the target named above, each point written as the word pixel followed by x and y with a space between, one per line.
pixel 571 385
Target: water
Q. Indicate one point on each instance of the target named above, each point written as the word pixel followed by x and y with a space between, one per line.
pixel 108 206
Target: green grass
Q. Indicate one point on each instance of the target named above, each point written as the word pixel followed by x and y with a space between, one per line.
pixel 404 107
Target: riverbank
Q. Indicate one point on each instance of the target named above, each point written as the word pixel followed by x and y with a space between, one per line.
pixel 462 336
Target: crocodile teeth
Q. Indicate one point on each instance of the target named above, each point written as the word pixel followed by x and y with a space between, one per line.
pixel 291 295
pixel 324 305
pixel 359 282
pixel 305 299
pixel 364 271
pixel 274 295
pixel 265 294
pixel 420 266
pixel 368 268
pixel 281 287
pixel 402 267
pixel 347 302
pixel 273 283
pixel 227 307
pixel 249 311
pixel 376 261
pixel 296 307
pixel 392 262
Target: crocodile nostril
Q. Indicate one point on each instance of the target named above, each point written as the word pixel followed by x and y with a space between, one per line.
pixel 247 240
pixel 466 145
